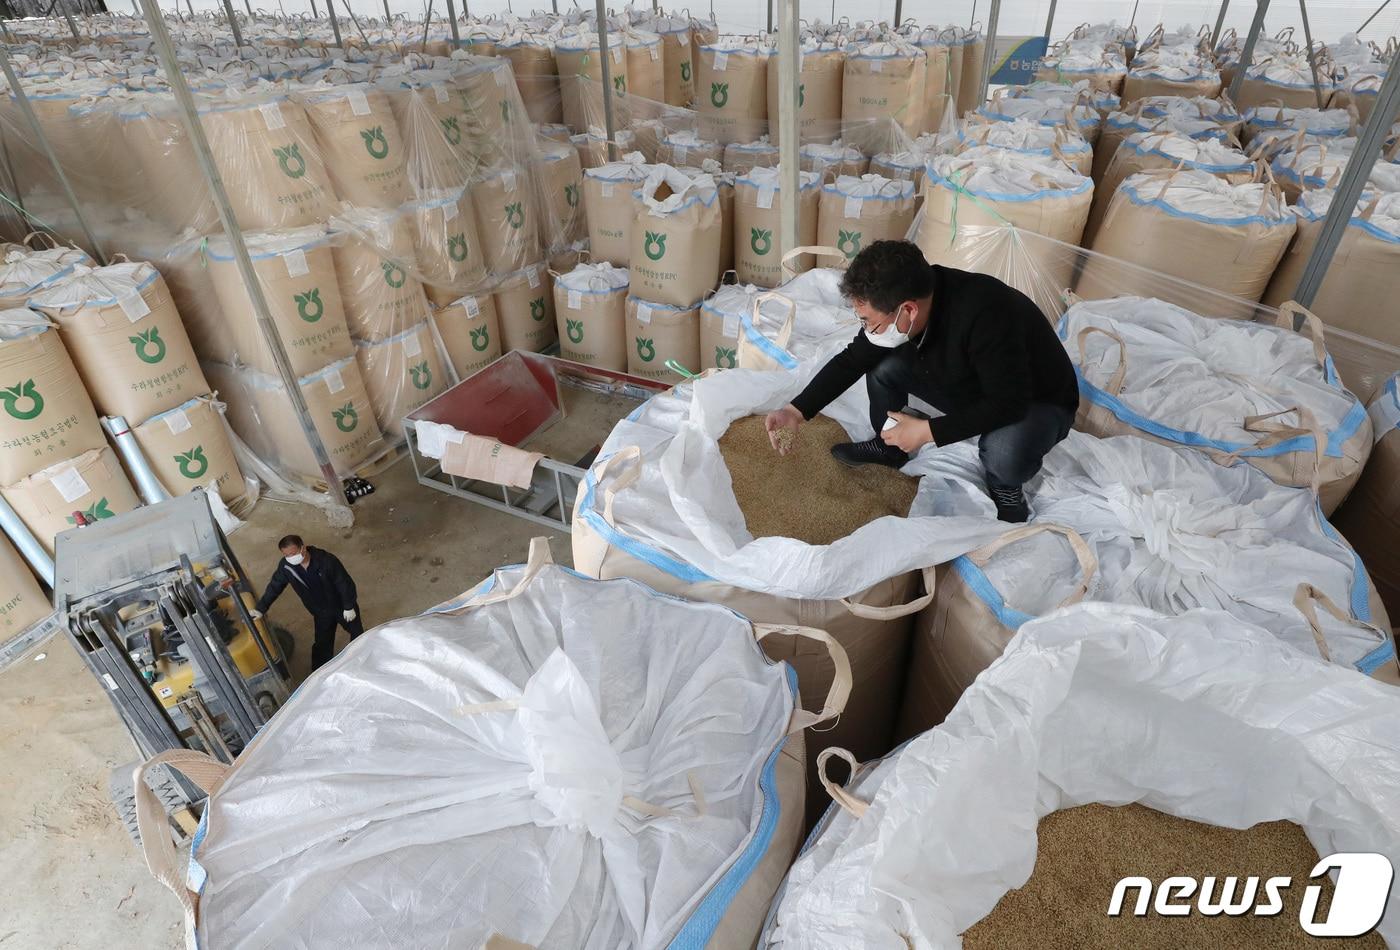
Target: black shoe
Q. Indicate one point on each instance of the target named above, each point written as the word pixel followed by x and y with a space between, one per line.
pixel 1011 505
pixel 870 452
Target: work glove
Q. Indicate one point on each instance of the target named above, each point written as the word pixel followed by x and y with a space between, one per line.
pixel 349 615
pixel 255 614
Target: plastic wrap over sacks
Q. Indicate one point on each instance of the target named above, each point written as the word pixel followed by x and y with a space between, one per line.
pixel 536 75
pixel 25 603
pixel 592 146
pixel 940 94
pixel 506 220
pixel 758 250
pixel 91 484
pixel 364 150
pixel 1025 137
pixel 581 76
pixel 1370 519
pixel 741 157
pixel 401 373
pixel 646 75
pixel 299 280
pixel 1099 64
pixel 261 413
pixel 450 251
pixel 525 308
pixel 24 271
pixel 833 160
pixel 676 59
pixel 1238 391
pixel 979 783
pixel 120 325
pixel 822 67
pixel 1357 292
pixel 589 302
pixel 675 255
pixel 974 55
pixel 47 414
pixel 854 213
pixel 1076 114
pixel 471 332
pixel 882 81
pixel 658 334
pixel 157 143
pixel 1195 226
pixel 185 268
pixel 559 178
pixel 731 89
pixel 595 797
pixel 688 148
pixel 188 447
pixel 1119 125
pixel 377 269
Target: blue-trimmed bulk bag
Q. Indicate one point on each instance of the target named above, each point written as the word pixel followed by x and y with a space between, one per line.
pixel 1370 519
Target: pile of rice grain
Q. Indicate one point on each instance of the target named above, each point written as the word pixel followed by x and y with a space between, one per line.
pixel 1083 852
pixel 806 494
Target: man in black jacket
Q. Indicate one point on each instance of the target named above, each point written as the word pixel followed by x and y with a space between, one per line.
pixel 325 588
pixel 978 351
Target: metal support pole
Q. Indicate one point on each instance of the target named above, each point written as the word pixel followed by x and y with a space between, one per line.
pixel 247 5
pixel 608 120
pixel 72 26
pixel 1219 24
pixel 165 50
pixel 335 23
pixel 898 12
pixel 314 12
pixel 1312 53
pixel 1351 185
pixel 1256 27
pixel 44 146
pixel 452 22
pixel 1372 17
pixel 770 15
pixel 233 23
pixel 1049 23
pixel 988 57
pixel 388 17
pixel 789 160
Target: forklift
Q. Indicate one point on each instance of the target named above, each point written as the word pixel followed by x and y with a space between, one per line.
pixel 160 610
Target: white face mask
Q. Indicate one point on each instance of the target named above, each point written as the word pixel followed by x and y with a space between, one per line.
pixel 891 337
pixel 295 559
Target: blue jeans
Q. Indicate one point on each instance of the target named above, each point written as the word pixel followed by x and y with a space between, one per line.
pixel 1011 455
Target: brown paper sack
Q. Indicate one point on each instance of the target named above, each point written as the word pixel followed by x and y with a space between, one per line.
pixel 876 87
pixel 555 132
pixel 646 73
pixel 188 447
pixel 1140 85
pixel 558 177
pixel 471 331
pixel 581 78
pixel 719 338
pixel 157 142
pixel 401 374
pixel 758 248
pixel 491 460
pixel 675 255
pixel 120 325
pixel 849 220
pixel 375 264
pixel 490 104
pixel 525 307
pixel 731 91
pixel 22 601
pixel 537 77
pixel 435 126
pixel 725 185
pixel 298 277
pixel 506 220
pixel 657 333
pixel 609 210
pixel 687 149
pixel 93 483
pixel 818 90
pixel 676 59
pixel 45 413
pixel 447 246
pixel 1370 517
pixel 592 146
pixel 361 143
pixel 185 268
pixel 592 320
pixel 272 168
pixel 973 58
pixel 742 157
pixel 937 69
pixel 832 161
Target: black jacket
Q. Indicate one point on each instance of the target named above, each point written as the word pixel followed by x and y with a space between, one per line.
pixel 335 582
pixel 987 347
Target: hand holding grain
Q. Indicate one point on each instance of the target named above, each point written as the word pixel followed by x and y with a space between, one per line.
pixel 781 425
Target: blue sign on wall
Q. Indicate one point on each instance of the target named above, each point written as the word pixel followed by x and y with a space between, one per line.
pixel 1017 65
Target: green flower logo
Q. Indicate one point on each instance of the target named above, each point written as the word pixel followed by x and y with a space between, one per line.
pixel 375 143
pixel 801 94
pixel 657 241
pixel 685 70
pixel 97 512
pixel 760 240
pixel 848 243
pixel 15 393
pixel 451 130
pixel 571 195
pixel 309 306
pixel 290 161
pixel 150 348
pixel 515 215
pixel 505 111
pixel 537 308
pixel 346 418
pixel 575 330
pixel 646 349
pixel 193 464
pixel 620 85
pixel 480 339
pixel 393 274
pixel 724 357
pixel 422 376
pixel 719 94
pixel 457 247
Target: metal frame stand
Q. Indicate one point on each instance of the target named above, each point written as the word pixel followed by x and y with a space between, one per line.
pixel 1219 24
pixel 335 24
pixel 989 57
pixel 789 160
pixel 1049 23
pixel 452 22
pixel 1351 185
pixel 1312 54
pixel 233 24
pixel 160 37
pixel 1256 27
pixel 608 121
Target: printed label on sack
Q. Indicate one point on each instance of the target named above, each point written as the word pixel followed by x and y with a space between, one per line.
pixel 500 73
pixel 607 189
pixel 333 381
pixel 134 306
pixel 643 313
pixel 853 206
pixel 449 211
pixel 575 300
pixel 177 422
pixel 472 308
pixel 272 115
pixel 721 62
pixel 508 178
pixel 440 93
pixel 680 151
pixel 617 55
pixel 296 263
pixel 412 346
pixel 877 65
pixel 731 325
pixel 655 52
pixel 70 484
pixel 359 105
pixel 532 274
pixel 765 196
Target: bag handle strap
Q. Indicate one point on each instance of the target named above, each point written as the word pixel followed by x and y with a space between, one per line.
pixel 1291 308
pixel 819 250
pixel 839 795
pixel 162 860
pixel 840 691
pixel 539 558
pixel 1115 382
pixel 28 240
pixel 1088 562
pixel 1276 433
pixel 1306 598
pixel 784 334
pixel 630 453
pixel 894 611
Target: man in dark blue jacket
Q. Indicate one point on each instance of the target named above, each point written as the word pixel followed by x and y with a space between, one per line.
pixel 325 588
pixel 978 351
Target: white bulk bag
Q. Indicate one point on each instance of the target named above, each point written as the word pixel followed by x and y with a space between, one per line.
pixel 1098 63
pixel 547 761
pixel 1094 704
pixel 1076 115
pixel 806 320
pixel 1370 519
pixel 1025 137
pixel 1319 123
pixel 1285 80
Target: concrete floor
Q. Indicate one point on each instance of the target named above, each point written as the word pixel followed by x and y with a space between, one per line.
pixel 73 877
